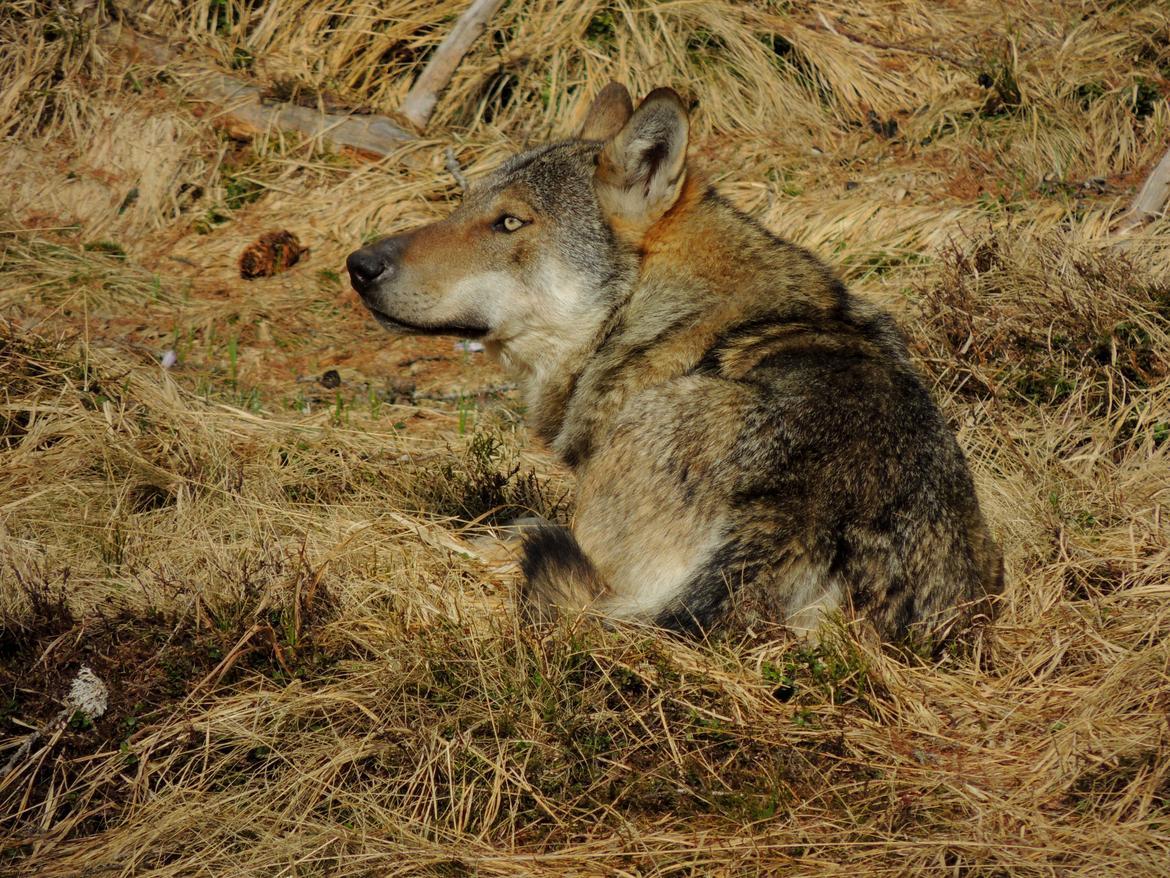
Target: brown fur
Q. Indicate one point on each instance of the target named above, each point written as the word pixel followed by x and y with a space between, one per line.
pixel 742 426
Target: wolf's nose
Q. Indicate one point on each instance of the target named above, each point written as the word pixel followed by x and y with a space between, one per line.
pixel 365 266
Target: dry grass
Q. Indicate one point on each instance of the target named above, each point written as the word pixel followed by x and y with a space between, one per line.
pixel 313 663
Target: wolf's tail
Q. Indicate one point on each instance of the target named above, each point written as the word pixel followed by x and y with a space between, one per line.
pixel 559 577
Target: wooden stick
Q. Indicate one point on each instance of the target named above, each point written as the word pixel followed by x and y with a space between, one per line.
pixel 244 115
pixel 1151 199
pixel 424 94
pixel 241 112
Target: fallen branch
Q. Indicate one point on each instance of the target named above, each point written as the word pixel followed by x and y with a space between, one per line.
pixel 242 113
pixel 1151 198
pixel 373 136
pixel 424 94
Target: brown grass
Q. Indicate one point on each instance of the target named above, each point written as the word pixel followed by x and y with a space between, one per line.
pixel 313 663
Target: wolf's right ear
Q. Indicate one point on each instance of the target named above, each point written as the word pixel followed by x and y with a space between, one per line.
pixel 641 170
pixel 610 110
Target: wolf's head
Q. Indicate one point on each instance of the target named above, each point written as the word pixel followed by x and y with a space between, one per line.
pixel 537 254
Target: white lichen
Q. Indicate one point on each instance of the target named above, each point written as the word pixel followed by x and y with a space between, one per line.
pixel 88 694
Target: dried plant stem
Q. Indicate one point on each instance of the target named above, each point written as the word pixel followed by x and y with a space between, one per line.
pixel 27 744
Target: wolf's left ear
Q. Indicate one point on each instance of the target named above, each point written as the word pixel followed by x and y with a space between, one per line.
pixel 640 172
pixel 609 111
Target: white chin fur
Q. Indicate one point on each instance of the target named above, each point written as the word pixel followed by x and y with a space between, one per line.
pixel 536 329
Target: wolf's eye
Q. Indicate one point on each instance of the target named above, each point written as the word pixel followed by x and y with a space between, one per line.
pixel 508 223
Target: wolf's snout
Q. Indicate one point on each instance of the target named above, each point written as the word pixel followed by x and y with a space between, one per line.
pixel 365 267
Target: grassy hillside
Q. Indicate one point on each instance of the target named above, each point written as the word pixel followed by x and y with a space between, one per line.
pixel 286 577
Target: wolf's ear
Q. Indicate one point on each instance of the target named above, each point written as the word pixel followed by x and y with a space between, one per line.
pixel 609 111
pixel 640 172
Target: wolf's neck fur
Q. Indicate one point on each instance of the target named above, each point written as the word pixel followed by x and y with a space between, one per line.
pixel 682 299
pixel 548 389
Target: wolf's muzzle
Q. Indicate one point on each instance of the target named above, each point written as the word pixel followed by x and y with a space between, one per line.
pixel 366 268
pixel 373 263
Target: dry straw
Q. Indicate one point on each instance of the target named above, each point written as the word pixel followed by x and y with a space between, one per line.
pixel 312 662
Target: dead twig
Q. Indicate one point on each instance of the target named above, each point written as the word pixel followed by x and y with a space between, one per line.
pixel 826 26
pixel 424 94
pixel 455 169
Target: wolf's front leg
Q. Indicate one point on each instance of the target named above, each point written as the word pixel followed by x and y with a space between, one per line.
pixel 652 514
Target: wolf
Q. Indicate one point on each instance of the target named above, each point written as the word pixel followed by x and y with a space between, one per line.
pixel 745 430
